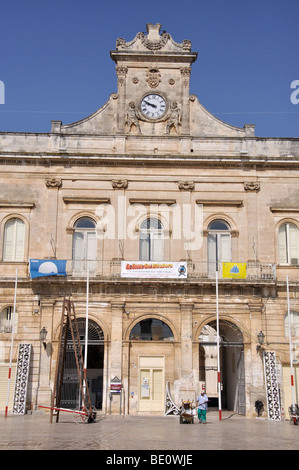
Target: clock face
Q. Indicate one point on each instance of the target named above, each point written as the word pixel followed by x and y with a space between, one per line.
pixel 153 106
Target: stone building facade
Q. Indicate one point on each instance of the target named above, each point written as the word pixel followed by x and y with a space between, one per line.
pixel 155 183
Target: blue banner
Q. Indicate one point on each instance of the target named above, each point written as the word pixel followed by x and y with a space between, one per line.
pixel 47 267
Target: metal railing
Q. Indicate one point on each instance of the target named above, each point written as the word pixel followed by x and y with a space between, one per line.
pixel 195 270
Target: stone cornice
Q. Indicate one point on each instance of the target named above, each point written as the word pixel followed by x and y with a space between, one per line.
pixel 188 160
pixel 17 205
pixel 85 200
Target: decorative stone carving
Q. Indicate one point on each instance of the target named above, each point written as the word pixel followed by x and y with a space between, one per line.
pixel 186 45
pixel 174 120
pixel 121 72
pixel 185 73
pixel 132 118
pixel 252 186
pixel 119 184
pixel 120 43
pixel 154 45
pixel 186 185
pixel 153 77
pixel 53 183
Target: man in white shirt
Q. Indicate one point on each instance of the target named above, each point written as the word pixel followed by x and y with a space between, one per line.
pixel 202 403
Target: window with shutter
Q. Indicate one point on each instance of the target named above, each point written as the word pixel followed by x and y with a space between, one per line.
pixel 288 244
pixel 151 242
pixel 14 240
pixel 219 245
pixel 84 245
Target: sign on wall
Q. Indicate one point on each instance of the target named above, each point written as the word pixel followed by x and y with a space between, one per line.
pixel 43 267
pixel 154 269
pixel 234 270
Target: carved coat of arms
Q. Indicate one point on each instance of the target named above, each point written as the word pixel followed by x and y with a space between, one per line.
pixel 153 77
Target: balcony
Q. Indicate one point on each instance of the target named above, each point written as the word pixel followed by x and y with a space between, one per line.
pixel 195 270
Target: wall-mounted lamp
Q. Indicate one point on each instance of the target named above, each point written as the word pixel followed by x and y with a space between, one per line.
pixel 126 311
pixel 260 338
pixel 42 336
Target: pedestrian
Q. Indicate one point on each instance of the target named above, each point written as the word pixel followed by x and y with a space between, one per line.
pixel 202 403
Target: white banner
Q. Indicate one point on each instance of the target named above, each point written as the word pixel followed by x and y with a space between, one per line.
pixel 154 269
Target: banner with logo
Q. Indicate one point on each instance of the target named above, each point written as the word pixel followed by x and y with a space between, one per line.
pixel 47 267
pixel 154 269
pixel 234 270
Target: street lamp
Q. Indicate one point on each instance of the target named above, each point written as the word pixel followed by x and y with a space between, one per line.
pixel 260 338
pixel 42 336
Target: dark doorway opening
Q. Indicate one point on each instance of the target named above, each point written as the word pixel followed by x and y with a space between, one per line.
pixel 232 370
pixel 70 391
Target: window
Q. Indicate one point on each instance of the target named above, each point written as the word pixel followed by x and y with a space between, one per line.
pixel 84 245
pixel 151 246
pixel 219 245
pixel 14 240
pixel 6 318
pixel 294 320
pixel 288 244
pixel 151 329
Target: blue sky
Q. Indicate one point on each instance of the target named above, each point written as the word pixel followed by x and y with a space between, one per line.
pixel 55 62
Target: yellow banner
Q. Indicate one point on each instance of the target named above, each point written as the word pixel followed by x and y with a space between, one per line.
pixel 234 270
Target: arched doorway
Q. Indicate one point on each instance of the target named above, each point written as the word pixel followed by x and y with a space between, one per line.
pixel 70 392
pixel 232 370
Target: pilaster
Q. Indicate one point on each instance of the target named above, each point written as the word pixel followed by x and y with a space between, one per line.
pixel 116 353
pixel 44 392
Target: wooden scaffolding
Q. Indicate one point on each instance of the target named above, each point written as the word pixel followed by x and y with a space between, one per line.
pixel 69 323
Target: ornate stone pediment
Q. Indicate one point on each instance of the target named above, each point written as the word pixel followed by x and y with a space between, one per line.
pixel 153 41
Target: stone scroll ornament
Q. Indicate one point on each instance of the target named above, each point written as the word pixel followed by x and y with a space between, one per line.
pixel 22 375
pixel 272 390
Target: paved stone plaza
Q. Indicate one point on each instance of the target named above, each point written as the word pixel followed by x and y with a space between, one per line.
pixel 112 433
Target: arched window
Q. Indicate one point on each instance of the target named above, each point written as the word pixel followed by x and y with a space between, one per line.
pixel 294 321
pixel 14 240
pixel 84 245
pixel 6 319
pixel 219 245
pixel 151 329
pixel 151 247
pixel 288 244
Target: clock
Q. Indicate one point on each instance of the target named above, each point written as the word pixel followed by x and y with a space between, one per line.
pixel 153 106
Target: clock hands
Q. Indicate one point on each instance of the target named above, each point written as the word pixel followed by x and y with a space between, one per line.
pixel 150 104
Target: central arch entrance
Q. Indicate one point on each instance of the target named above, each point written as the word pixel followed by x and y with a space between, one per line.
pixel 232 370
pixel 70 392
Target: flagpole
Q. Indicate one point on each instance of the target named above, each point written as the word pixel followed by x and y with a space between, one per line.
pixel 290 344
pixel 86 329
pixel 11 346
pixel 218 355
